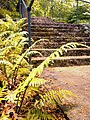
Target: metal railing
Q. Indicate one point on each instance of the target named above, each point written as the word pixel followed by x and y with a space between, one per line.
pixel 23 9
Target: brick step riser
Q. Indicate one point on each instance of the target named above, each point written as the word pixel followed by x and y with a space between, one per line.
pixel 75 28
pixel 38 29
pixel 55 47
pixel 62 63
pixel 57 35
pixel 53 43
pixel 55 25
pixel 69 53
pixel 61 38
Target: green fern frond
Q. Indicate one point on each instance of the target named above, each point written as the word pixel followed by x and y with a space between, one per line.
pixel 49 59
pixel 5 62
pixel 37 82
pixel 54 96
pixel 5 34
pixel 14 35
pixel 11 25
pixel 10 20
pixel 36 114
pixel 20 23
pixel 23 55
pixel 23 71
pixel 3 26
pixel 3 88
pixel 32 53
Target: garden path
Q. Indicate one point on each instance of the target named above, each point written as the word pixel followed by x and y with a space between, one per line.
pixel 77 80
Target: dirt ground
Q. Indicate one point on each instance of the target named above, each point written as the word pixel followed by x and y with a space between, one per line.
pixel 77 80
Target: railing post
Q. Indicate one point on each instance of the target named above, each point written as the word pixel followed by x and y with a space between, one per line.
pixel 76 11
pixel 29 31
pixel 29 27
pixel 20 7
pixel 29 24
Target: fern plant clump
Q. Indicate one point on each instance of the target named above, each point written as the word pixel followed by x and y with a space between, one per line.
pixel 20 94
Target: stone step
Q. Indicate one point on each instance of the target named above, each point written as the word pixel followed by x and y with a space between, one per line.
pixel 54 26
pixel 59 39
pixel 59 34
pixel 56 33
pixel 70 52
pixel 54 23
pixel 59 28
pixel 64 61
pixel 55 45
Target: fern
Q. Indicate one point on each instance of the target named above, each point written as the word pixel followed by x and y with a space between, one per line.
pixel 37 82
pixel 54 96
pixel 49 59
pixel 4 62
pixel 10 25
pixel 39 69
pixel 14 66
pixel 36 114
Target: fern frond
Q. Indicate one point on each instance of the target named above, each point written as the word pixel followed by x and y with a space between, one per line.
pixel 32 53
pixel 24 54
pixel 49 59
pixel 3 88
pixel 4 26
pixel 20 23
pixel 36 114
pixel 37 42
pixel 37 82
pixel 23 71
pixel 10 20
pixel 5 62
pixel 54 96
pixel 20 34
pixel 5 33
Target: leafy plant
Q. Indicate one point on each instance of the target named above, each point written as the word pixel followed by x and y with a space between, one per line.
pixel 20 94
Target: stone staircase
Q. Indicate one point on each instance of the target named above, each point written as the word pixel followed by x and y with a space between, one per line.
pixel 57 34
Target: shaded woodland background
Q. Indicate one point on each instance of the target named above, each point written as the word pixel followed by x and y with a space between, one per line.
pixel 61 10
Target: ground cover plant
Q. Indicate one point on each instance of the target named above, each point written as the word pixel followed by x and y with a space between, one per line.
pixel 21 93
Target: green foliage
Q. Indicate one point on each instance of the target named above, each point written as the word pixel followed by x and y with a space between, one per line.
pixel 8 7
pixel 3 13
pixel 82 17
pixel 19 82
pixel 37 114
pixel 62 10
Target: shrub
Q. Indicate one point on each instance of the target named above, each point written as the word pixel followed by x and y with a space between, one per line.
pixel 4 11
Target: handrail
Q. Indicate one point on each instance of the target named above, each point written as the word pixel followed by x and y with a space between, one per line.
pixel 30 5
pixel 24 4
pixel 28 9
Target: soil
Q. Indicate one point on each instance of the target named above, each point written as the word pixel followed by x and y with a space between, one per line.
pixel 77 80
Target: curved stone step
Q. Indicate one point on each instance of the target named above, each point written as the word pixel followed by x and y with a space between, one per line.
pixel 55 45
pixel 64 61
pixel 70 52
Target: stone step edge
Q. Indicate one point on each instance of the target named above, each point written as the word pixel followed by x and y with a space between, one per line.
pixel 61 58
pixel 72 49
